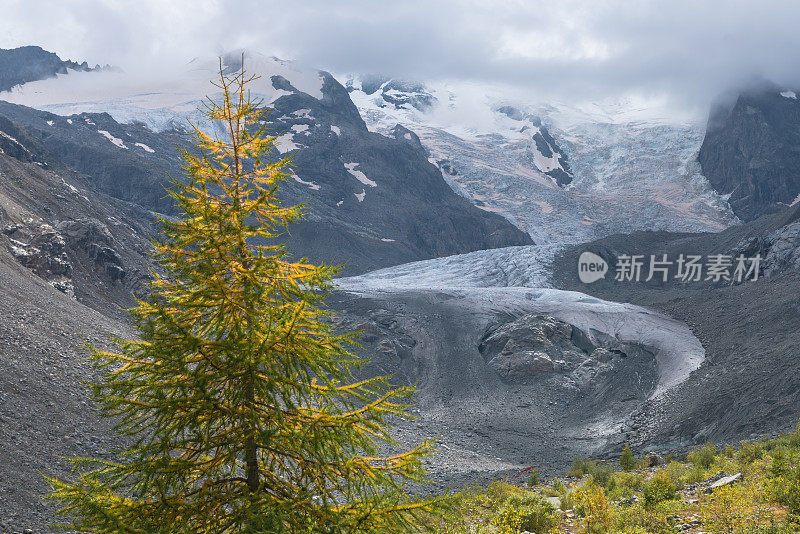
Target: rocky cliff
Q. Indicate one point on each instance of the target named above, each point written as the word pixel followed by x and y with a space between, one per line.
pixel 751 151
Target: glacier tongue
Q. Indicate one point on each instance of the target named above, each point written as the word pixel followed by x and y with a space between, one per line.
pixel 512 280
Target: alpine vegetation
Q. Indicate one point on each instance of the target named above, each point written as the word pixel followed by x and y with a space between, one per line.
pixel 239 400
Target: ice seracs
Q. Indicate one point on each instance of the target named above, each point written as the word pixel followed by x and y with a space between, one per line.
pixel 565 173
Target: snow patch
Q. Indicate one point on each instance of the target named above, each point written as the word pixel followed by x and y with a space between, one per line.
pixel 69 121
pixel 162 101
pixel 795 201
pixel 49 123
pixel 336 130
pixel 340 203
pixel 285 144
pixel 360 196
pixel 311 185
pixel 789 94
pixel 300 128
pixel 387 240
pixel 145 147
pixel 360 176
pixel 115 140
pixel 302 114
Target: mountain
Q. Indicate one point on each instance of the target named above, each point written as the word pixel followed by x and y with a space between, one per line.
pixel 579 369
pixel 30 63
pixel 751 150
pixel 71 259
pixel 748 383
pixel 564 173
pixel 373 200
pixel 517 361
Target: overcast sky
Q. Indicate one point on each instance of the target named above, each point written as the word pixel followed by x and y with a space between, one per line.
pixel 593 48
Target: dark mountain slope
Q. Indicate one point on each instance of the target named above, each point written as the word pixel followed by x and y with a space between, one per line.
pixel 31 63
pixel 750 380
pixel 751 151
pixel 373 200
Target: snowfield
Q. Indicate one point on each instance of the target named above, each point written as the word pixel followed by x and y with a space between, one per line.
pixel 160 102
pixel 633 162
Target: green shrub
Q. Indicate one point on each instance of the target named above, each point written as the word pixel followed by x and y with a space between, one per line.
pixel 780 465
pixel 533 516
pixel 581 467
pixel 749 452
pixel 602 474
pixel 703 457
pixel 627 460
pixel 785 489
pixel 533 478
pixel 657 489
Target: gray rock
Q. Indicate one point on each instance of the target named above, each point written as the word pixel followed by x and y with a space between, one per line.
pixel 750 151
pixel 724 481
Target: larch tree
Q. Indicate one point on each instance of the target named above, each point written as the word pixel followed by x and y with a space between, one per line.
pixel 238 401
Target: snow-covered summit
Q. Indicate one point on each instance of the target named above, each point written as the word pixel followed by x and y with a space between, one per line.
pixel 163 100
pixel 565 173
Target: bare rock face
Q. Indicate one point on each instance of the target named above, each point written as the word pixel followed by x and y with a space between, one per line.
pixel 522 364
pixel 537 344
pixel 92 238
pixel 750 151
pixel 784 252
pixel 779 249
pixel 46 250
pixel 40 248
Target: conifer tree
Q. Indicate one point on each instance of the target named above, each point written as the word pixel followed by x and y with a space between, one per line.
pixel 238 400
pixel 627 460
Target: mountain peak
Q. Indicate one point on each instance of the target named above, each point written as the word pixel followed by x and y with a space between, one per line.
pixel 31 63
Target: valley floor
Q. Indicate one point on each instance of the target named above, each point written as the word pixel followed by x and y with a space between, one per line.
pixel 752 488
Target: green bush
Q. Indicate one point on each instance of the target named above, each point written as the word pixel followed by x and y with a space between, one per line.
pixel 703 457
pixel 627 460
pixel 786 490
pixel 657 489
pixel 602 475
pixel 581 467
pixel 749 452
pixel 780 464
pixel 534 515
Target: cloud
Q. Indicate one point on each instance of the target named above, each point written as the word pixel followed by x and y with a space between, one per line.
pixel 691 50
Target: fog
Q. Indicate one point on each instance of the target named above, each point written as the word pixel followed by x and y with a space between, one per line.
pixel 687 50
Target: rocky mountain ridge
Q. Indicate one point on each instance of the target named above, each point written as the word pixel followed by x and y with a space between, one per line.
pixel 751 150
pixel 30 63
pixel 373 200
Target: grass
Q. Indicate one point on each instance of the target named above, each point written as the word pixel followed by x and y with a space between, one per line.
pixel 608 498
